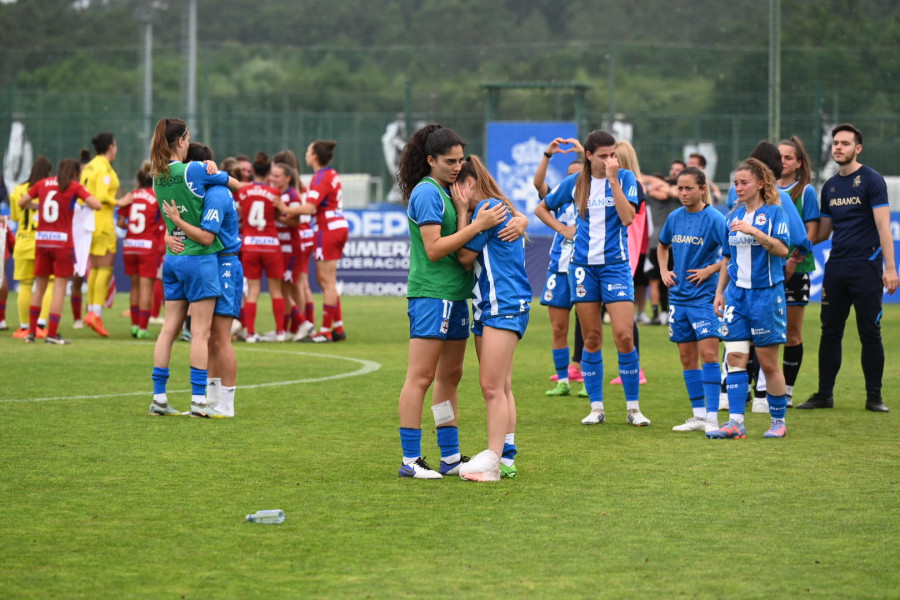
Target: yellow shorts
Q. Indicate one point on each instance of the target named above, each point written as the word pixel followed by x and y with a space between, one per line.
pixel 24 269
pixel 103 242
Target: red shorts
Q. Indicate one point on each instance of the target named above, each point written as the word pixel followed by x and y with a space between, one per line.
pixel 301 259
pixel 330 243
pixel 142 264
pixel 255 263
pixel 59 262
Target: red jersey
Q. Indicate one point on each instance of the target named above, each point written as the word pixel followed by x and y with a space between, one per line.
pixel 288 235
pixel 325 192
pixel 146 228
pixel 55 211
pixel 257 207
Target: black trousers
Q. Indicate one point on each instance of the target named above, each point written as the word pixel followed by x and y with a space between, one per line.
pixel 857 284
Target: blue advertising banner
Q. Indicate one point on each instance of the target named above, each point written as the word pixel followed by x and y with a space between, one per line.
pixel 376 257
pixel 513 153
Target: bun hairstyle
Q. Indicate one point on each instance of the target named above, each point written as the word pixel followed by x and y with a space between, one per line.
pixel 700 178
pixel 143 177
pixel 102 142
pixel 595 139
pixel 324 151
pixel 84 157
pixel 431 140
pixel 261 164
pixel 165 137
pixel 68 171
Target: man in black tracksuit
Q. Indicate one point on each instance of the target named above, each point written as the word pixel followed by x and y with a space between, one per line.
pixel 855 207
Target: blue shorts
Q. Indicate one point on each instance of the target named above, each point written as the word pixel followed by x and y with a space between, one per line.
pixel 556 291
pixel 758 315
pixel 436 318
pixel 231 278
pixel 692 323
pixel 191 278
pixel 515 323
pixel 601 283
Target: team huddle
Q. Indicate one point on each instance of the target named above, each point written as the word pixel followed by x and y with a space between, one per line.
pixel 726 274
pixel 197 238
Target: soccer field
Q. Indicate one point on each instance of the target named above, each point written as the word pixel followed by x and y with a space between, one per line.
pixel 102 501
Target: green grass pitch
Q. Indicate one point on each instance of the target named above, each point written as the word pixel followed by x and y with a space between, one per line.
pixel 100 500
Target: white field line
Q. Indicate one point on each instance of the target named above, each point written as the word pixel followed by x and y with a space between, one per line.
pixel 366 366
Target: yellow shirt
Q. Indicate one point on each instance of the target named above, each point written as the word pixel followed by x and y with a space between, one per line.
pixel 28 222
pixel 102 182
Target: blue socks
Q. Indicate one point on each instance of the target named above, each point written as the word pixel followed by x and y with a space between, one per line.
pixel 777 406
pixel 693 381
pixel 712 383
pixel 561 362
pixel 447 439
pixel 737 383
pixel 198 381
pixel 411 442
pixel 630 372
pixel 592 369
pixel 160 378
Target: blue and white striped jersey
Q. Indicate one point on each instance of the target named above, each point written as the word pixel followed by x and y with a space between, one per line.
pixel 562 249
pixel 751 265
pixel 601 238
pixel 796 222
pixel 502 287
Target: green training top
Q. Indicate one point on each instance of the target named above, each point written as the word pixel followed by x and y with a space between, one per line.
pixel 445 278
pixel 174 187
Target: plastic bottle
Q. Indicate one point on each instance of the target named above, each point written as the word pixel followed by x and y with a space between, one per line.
pixel 267 517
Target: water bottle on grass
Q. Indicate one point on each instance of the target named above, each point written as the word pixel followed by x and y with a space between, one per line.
pixel 267 517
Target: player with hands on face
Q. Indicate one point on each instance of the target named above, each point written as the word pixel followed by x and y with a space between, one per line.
pixel 605 199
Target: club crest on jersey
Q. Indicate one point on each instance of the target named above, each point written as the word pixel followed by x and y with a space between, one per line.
pixel 548 296
pixel 759 220
pixel 856 181
pixel 445 325
pixel 580 291
pixel 724 329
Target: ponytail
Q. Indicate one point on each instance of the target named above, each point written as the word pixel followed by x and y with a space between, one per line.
pixel 68 171
pixel 486 184
pixel 165 137
pixel 803 173
pixel 700 178
pixel 144 179
pixel 324 151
